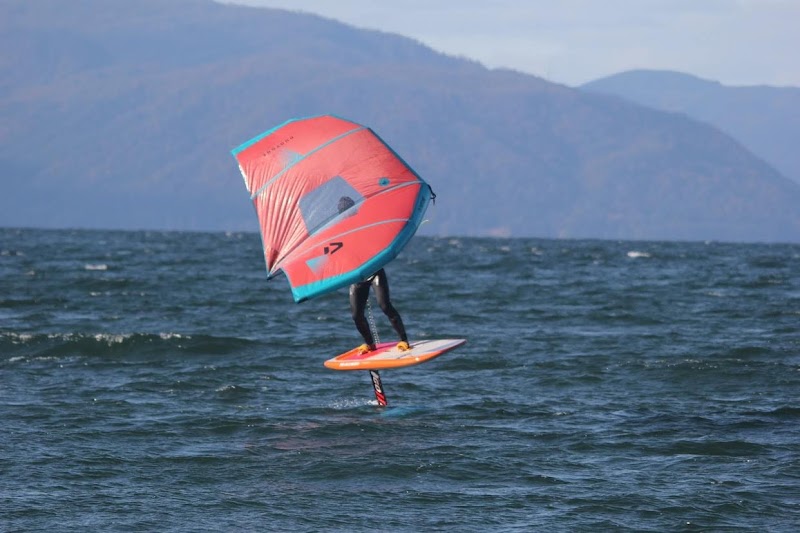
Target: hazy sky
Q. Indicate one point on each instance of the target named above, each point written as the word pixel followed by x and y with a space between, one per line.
pixel 736 42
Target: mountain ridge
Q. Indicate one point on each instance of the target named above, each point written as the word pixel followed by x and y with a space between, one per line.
pixel 764 118
pixel 132 122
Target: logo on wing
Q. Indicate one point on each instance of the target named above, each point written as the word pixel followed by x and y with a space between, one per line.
pixel 332 248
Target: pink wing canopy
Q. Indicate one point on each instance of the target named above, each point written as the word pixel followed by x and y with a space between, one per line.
pixel 334 202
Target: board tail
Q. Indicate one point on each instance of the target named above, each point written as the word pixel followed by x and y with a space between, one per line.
pixel 378 386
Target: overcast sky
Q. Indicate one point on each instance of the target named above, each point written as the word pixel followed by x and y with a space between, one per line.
pixel 736 42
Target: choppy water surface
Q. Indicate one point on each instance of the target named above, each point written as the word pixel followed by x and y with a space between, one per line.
pixel 157 382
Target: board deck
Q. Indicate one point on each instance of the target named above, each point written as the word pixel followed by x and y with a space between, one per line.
pixel 386 355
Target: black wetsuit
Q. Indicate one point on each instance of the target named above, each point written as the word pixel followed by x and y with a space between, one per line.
pixel 359 293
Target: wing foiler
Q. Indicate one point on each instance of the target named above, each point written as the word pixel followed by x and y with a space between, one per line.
pixel 334 202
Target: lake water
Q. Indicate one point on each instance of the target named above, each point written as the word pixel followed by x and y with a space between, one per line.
pixel 157 382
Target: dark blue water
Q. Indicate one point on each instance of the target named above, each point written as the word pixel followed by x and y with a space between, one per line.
pixel 158 382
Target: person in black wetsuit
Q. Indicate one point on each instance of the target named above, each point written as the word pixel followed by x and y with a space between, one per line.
pixel 359 294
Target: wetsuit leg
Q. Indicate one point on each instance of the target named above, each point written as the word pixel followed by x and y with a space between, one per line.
pixel 381 285
pixel 359 292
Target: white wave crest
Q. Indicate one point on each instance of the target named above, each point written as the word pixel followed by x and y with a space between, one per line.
pixel 634 254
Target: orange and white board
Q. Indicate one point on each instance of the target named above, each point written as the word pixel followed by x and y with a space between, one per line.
pixel 386 355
